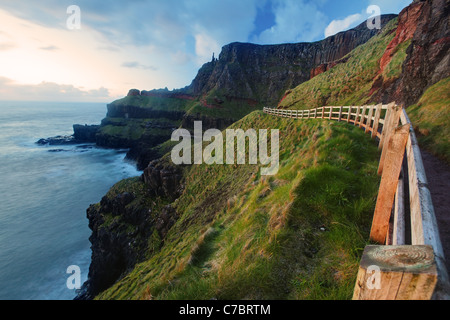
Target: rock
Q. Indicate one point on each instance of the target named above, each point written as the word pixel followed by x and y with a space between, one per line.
pixel 166 220
pixel 57 141
pixel 133 92
pixel 162 179
pixel 86 133
pixel 425 23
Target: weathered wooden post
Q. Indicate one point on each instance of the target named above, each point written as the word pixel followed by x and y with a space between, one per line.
pixel 376 121
pixel 389 109
pixel 363 117
pixel 340 114
pixel 395 150
pixel 396 273
pixel 369 119
pixel 357 116
pixel 392 123
pixel 349 114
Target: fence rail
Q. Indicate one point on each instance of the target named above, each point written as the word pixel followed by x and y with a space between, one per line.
pixel 408 261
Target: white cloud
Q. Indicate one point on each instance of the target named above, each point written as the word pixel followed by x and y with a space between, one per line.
pixel 49 48
pixel 204 47
pixel 137 65
pixel 336 26
pixel 50 91
pixel 295 21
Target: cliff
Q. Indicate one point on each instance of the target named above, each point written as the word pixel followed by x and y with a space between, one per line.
pixel 245 78
pixel 412 56
pixel 265 72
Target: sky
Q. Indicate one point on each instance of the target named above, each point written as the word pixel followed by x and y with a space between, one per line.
pixel 93 50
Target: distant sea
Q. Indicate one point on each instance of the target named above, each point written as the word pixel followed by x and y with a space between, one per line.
pixel 44 194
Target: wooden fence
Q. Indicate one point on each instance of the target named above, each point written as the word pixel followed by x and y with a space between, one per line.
pixel 407 261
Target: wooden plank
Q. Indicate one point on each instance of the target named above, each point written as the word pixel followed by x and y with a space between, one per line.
pixel 424 228
pixel 392 123
pixel 388 186
pixel 376 121
pixel 398 237
pixel 396 273
pixel 369 119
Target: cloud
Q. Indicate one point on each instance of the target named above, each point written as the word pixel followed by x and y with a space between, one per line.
pixel 137 65
pixel 49 48
pixel 7 46
pixel 295 21
pixel 205 45
pixel 336 26
pixel 161 24
pixel 49 91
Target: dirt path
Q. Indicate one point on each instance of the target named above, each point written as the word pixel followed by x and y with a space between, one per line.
pixel 438 175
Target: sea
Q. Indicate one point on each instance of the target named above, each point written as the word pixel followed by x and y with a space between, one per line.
pixel 44 194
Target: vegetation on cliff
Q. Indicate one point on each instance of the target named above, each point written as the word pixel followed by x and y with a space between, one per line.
pixel 431 118
pixel 237 235
pixel 348 83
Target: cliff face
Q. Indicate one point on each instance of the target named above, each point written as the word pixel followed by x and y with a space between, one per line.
pixel 265 72
pixel 129 224
pixel 425 25
pixel 428 58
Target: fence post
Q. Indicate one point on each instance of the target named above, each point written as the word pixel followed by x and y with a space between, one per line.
pixel 395 150
pixel 392 123
pixel 331 113
pixel 363 117
pixel 357 116
pixel 376 121
pixel 369 119
pixel 323 111
pixel 349 114
pixel 396 273
pixel 389 109
pixel 340 114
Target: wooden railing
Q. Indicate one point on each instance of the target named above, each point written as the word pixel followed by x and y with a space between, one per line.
pixel 407 261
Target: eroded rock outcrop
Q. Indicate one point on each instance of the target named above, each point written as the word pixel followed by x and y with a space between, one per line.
pixel 425 24
pixel 127 226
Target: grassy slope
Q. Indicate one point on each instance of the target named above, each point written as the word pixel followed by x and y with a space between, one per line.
pixel 349 83
pixel 296 235
pixel 431 118
pixel 155 103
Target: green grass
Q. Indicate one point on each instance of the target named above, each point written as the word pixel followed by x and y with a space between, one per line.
pixel 431 118
pixel 394 69
pixel 296 235
pixel 154 103
pixel 229 109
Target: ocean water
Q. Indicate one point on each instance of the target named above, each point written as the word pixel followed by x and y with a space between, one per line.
pixel 44 194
